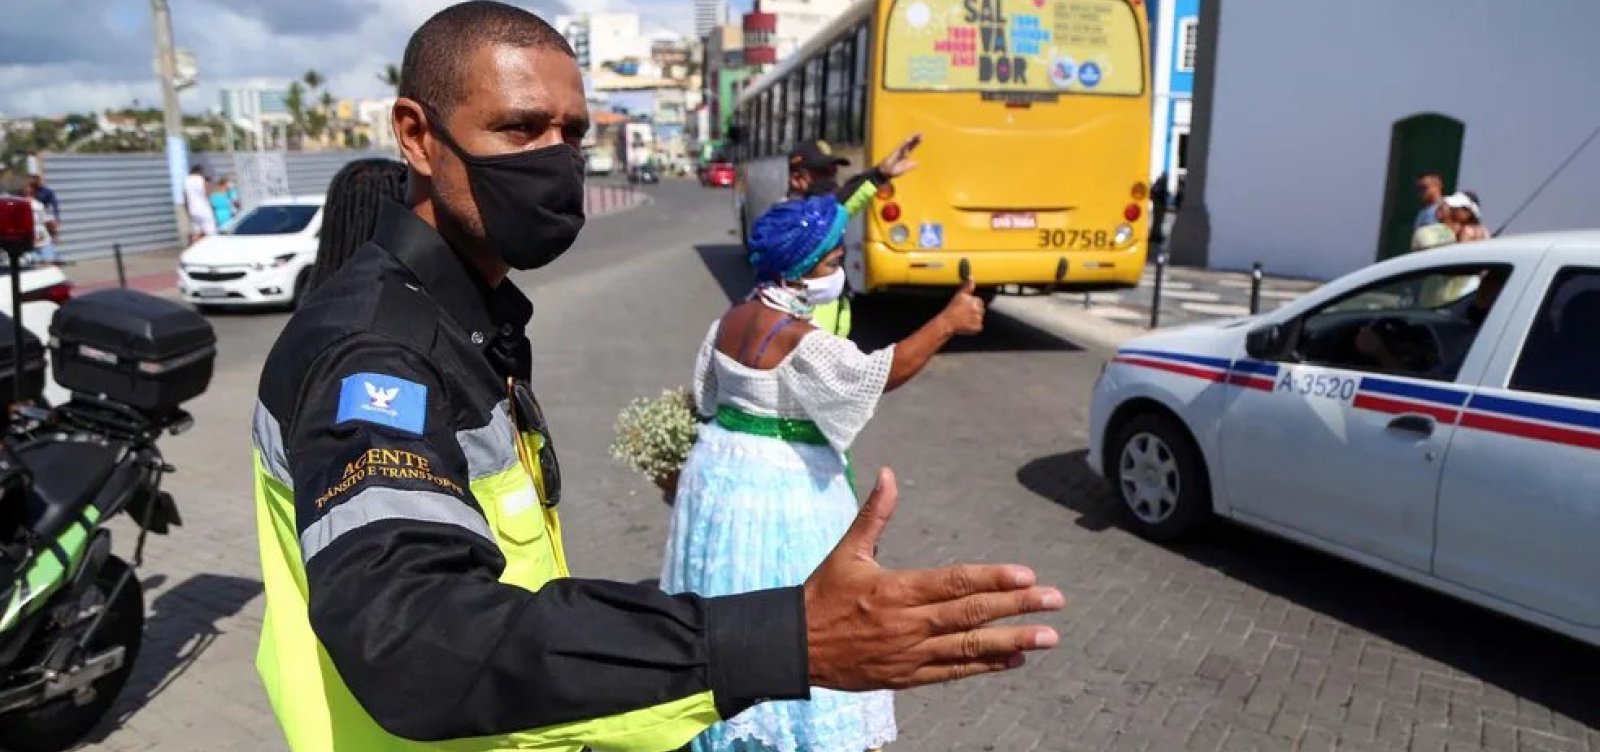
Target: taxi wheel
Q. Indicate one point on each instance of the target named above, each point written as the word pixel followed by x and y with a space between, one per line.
pixel 1160 477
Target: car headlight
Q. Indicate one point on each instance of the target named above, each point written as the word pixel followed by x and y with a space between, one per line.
pixel 276 262
pixel 1124 234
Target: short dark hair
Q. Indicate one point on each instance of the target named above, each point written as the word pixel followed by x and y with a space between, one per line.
pixel 197 170
pixel 437 56
pixel 1431 175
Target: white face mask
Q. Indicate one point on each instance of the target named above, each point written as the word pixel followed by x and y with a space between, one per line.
pixel 824 290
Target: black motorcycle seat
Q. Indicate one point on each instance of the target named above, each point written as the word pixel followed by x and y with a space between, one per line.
pixel 67 476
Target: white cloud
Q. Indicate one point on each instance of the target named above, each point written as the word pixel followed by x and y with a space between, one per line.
pixel 99 55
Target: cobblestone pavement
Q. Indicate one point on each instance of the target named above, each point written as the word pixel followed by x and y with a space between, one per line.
pixel 1241 642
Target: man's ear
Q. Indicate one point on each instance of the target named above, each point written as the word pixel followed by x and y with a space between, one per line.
pixel 411 130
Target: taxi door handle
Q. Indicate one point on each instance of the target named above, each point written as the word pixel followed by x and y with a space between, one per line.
pixel 1416 423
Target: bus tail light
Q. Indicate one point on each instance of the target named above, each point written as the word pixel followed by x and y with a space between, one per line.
pixel 886 191
pixel 890 212
pixel 1132 212
pixel 1140 191
pixel 1124 234
pixel 899 234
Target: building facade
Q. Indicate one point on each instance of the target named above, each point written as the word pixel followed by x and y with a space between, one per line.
pixel 1174 47
pixel 261 112
pixel 708 15
pixel 606 40
pixel 1312 121
pixel 795 22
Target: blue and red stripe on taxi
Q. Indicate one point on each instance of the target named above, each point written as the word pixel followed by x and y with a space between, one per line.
pixel 1481 412
pixel 1254 374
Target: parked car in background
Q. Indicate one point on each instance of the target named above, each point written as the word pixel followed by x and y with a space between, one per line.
pixel 717 175
pixel 599 163
pixel 1435 416
pixel 261 258
pixel 643 174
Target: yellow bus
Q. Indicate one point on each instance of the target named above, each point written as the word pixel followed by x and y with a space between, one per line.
pixel 1034 163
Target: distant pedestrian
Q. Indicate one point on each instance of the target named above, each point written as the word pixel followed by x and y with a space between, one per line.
pixel 1456 221
pixel 45 227
pixel 1158 210
pixel 350 212
pixel 197 199
pixel 222 207
pixel 1430 191
pixel 1468 217
pixel 45 196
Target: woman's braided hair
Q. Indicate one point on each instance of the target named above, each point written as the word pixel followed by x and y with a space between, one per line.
pixel 350 211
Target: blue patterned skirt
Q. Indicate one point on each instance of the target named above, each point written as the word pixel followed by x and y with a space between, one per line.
pixel 754 513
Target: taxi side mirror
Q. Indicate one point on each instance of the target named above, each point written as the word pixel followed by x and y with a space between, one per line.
pixel 1264 343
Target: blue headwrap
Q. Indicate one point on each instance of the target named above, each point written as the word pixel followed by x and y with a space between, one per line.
pixel 793 236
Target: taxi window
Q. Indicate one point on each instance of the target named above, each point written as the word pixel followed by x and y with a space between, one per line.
pixel 1561 355
pixel 1420 325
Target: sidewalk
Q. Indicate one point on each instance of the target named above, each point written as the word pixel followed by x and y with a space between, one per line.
pixel 1188 296
pixel 155 272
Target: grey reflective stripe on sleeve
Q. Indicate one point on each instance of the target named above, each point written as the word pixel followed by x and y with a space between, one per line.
pixel 376 504
pixel 268 438
pixel 492 448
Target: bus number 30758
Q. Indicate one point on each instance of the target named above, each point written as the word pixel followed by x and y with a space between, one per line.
pixel 1079 239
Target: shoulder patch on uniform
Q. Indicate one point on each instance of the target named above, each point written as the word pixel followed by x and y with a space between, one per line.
pixel 383 400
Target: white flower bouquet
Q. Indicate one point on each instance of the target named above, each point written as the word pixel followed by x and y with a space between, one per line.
pixel 654 436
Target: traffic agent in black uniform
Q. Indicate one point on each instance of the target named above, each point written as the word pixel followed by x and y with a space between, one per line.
pixel 406 485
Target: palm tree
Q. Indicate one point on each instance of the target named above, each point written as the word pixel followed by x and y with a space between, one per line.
pixel 295 100
pixel 391 76
pixel 313 79
pixel 327 102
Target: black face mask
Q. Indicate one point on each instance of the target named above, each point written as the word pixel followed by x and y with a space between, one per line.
pixel 822 186
pixel 531 202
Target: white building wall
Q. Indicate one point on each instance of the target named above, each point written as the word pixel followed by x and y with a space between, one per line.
pixel 1307 93
pixel 799 20
pixel 616 36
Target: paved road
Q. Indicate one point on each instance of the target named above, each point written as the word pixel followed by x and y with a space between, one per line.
pixel 1238 643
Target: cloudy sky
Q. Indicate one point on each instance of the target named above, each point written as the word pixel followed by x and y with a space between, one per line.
pixel 58 57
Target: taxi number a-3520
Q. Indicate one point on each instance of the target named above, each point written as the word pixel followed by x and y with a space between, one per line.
pixel 1312 383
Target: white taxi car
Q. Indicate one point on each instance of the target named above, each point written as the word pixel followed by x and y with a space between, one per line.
pixel 1435 416
pixel 261 258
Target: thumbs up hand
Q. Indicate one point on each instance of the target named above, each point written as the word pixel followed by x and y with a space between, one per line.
pixel 873 628
pixel 965 311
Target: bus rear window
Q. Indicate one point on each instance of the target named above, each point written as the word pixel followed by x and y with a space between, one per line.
pixel 1023 48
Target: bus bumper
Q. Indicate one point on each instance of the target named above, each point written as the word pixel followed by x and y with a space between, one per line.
pixel 1092 270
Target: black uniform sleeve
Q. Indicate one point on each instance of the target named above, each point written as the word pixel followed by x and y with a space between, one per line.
pixel 852 185
pixel 404 592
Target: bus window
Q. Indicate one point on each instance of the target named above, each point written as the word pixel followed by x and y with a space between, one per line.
pixel 835 115
pixel 811 126
pixel 858 93
pixel 1033 50
pixel 791 115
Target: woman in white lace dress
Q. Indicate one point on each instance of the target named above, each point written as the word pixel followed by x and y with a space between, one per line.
pixel 766 492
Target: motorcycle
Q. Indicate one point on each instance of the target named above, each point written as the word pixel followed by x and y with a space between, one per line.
pixel 72 613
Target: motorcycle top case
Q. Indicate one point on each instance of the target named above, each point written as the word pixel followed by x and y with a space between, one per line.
pixel 129 347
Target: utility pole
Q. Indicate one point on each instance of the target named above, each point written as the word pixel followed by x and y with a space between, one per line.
pixel 177 147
